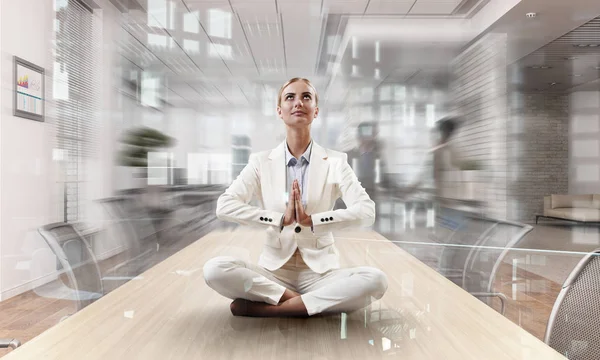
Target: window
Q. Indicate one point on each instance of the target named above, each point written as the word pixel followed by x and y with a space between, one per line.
pixel 219 23
pixel 76 101
pixel 411 115
pixel 430 114
pixel 399 93
pixel 385 93
pixel 190 22
pixel 385 113
pixel 150 89
pixel 157 13
pixel 157 40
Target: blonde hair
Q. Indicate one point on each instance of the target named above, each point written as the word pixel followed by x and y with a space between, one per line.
pixel 291 81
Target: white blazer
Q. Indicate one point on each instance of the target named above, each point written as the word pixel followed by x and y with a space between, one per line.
pixel 329 178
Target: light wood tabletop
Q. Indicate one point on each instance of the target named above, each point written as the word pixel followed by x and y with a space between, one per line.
pixel 170 313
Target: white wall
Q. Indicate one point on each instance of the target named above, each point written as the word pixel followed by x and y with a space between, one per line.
pixel 584 142
pixel 30 195
pixel 27 177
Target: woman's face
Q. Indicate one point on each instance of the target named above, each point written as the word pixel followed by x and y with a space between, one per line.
pixel 298 106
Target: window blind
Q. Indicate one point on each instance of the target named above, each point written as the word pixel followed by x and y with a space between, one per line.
pixel 75 94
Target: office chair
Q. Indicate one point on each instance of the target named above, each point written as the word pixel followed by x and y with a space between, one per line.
pixel 485 258
pixel 453 257
pixel 78 262
pixel 573 324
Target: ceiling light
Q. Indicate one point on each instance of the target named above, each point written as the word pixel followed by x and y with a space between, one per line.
pixel 540 67
pixel 571 58
pixel 586 45
pixel 553 83
pixel 576 75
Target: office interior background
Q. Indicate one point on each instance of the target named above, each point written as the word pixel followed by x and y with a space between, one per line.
pixel 152 108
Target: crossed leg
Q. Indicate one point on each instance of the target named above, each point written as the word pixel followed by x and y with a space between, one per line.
pixel 260 293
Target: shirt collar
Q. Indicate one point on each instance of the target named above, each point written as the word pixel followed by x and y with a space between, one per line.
pixel 305 156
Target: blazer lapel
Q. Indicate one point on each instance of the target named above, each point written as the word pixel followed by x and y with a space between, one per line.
pixel 317 176
pixel 277 177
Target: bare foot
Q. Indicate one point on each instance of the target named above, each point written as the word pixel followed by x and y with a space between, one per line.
pixel 290 308
pixel 239 307
pixel 242 307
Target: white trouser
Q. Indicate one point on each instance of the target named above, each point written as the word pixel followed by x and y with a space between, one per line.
pixel 339 290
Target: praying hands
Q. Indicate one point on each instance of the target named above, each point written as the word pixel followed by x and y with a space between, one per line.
pixel 294 211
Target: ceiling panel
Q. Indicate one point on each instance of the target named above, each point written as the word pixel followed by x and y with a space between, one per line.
pixel 567 63
pixel 304 8
pixel 438 7
pixel 390 7
pixel 264 36
pixel 255 8
pixel 345 7
pixel 302 37
pixel 224 50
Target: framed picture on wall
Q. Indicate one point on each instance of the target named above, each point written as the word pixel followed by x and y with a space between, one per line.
pixel 28 80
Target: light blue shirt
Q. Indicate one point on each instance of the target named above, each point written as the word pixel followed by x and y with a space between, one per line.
pixel 298 170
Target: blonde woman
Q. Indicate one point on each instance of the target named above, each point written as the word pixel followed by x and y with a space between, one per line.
pixel 297 184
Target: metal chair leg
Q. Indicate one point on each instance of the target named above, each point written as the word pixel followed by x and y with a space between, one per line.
pixel 12 343
pixel 500 296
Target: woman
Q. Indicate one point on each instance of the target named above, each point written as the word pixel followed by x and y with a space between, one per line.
pixel 298 271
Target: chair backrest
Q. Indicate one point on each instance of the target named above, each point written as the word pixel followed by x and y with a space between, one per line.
pixel 75 257
pixel 454 255
pixel 116 207
pixel 137 215
pixel 573 324
pixel 487 255
pixel 134 219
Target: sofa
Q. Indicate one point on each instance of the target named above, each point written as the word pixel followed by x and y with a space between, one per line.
pixel 578 208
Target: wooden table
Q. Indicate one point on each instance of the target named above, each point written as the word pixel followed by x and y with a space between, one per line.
pixel 172 314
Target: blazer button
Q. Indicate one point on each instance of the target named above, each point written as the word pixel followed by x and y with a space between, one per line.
pixel 297 229
pixel 262 218
pixel 326 219
pixel 322 220
pixel 331 218
pixel 270 220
